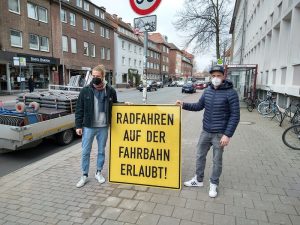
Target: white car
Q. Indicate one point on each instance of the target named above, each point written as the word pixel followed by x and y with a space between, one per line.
pixel 180 83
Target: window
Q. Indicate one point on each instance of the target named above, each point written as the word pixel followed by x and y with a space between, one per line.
pixel 92 27
pixel 140 63
pixel 123 44
pixel 129 47
pixel 135 49
pixel 123 60
pixel 86 6
pixel 72 19
pixel 14 6
pixel 129 62
pixel 92 50
pixel 86 48
pixel 32 11
pixel 37 12
pixel 102 15
pixel 44 44
pixel 97 12
pixel 16 38
pixel 107 33
pixel 65 43
pixel 134 63
pixel 73 45
pixel 85 24
pixel 34 42
pixel 102 31
pixel 108 54
pixel 102 53
pixel 43 14
pixel 79 3
pixel 63 16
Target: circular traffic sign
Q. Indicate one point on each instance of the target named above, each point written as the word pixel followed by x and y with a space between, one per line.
pixel 144 7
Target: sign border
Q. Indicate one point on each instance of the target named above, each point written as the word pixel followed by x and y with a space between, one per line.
pixel 148 185
pixel 144 11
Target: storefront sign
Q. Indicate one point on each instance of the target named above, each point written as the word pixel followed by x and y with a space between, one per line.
pixel 19 61
pixel 145 146
pixel 39 59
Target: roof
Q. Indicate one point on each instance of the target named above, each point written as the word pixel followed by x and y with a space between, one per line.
pixel 174 47
pixel 159 38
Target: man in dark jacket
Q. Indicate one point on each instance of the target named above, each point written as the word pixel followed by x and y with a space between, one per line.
pixel 92 118
pixel 221 117
pixel 31 84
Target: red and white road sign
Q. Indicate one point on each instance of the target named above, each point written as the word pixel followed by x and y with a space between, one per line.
pixel 144 7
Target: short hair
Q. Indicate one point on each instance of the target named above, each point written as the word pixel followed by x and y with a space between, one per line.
pixel 100 68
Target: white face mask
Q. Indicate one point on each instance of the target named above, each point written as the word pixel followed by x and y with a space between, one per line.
pixel 216 81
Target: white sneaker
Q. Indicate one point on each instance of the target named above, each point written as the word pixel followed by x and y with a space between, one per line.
pixel 81 182
pixel 193 183
pixel 99 177
pixel 213 190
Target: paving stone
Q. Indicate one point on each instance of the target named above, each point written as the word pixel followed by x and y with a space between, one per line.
pixel 275 191
pixel 243 221
pixel 224 220
pixel 111 201
pixel 111 222
pixel 295 219
pixel 164 210
pixel 111 213
pixel 186 222
pixel 146 207
pixel 286 209
pixel 148 219
pixel 243 202
pixel 128 204
pixel 168 221
pixel 144 196
pixel 279 218
pixel 183 213
pixel 214 207
pixel 203 217
pixel 188 194
pixel 256 214
pixel 127 194
pixel 231 210
pixel 262 205
pixel 177 201
pixel 158 198
pixel 129 216
pixel 195 204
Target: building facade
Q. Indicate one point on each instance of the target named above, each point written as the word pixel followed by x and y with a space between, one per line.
pixel 175 62
pixel 266 33
pixel 26 44
pixel 128 53
pixel 153 62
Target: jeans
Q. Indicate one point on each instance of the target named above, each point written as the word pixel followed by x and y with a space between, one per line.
pixel 87 141
pixel 207 140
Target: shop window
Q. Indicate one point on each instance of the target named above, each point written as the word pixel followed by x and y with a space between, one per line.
pixel 65 43
pixel 86 48
pixel 72 19
pixel 86 6
pixel 108 54
pixel 102 53
pixel 14 6
pixel 97 12
pixel 73 45
pixel 92 27
pixel 63 16
pixel 79 3
pixel 37 12
pixel 92 50
pixel 34 42
pixel 44 44
pixel 16 38
pixel 85 24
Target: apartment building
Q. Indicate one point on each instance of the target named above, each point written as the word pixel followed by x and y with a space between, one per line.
pixel 267 33
pixel 83 38
pixel 162 44
pixel 187 61
pixel 26 44
pixel 128 53
pixel 175 62
pixel 154 62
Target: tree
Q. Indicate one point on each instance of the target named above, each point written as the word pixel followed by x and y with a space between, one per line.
pixel 205 23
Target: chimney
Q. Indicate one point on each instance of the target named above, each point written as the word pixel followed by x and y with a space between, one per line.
pixel 115 16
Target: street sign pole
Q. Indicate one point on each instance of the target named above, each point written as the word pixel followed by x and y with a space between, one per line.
pixel 145 68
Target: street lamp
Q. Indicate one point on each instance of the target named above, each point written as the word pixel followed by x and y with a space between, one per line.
pixel 62 50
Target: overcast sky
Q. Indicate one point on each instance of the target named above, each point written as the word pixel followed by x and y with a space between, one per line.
pixel 165 18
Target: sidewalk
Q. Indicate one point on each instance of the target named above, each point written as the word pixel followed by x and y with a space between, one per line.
pixel 260 185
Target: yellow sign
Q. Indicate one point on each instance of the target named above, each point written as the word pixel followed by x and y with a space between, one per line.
pixel 145 145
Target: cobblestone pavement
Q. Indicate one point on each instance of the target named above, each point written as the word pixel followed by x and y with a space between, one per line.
pixel 260 185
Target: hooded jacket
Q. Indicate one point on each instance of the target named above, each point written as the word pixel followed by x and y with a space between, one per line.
pixel 85 106
pixel 222 109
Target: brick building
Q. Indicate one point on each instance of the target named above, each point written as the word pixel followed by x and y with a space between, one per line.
pixel 175 61
pixel 187 61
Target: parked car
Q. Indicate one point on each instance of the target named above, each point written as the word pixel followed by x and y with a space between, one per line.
pixel 172 84
pixel 160 84
pixel 200 85
pixel 151 85
pixel 188 88
pixel 180 83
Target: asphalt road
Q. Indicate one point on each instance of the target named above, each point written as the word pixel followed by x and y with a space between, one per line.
pixel 12 161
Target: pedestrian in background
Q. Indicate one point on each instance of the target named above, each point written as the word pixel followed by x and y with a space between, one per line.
pixel 31 84
pixel 92 119
pixel 221 117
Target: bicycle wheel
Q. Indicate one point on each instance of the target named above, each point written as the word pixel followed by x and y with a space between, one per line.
pixel 250 106
pixel 264 108
pixel 291 137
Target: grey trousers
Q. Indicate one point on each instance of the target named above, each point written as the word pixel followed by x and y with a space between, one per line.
pixel 207 140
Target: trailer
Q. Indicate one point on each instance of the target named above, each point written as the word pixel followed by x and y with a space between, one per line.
pixel 40 115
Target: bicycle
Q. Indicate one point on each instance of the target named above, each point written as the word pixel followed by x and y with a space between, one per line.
pixel 288 113
pixel 291 137
pixel 264 106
